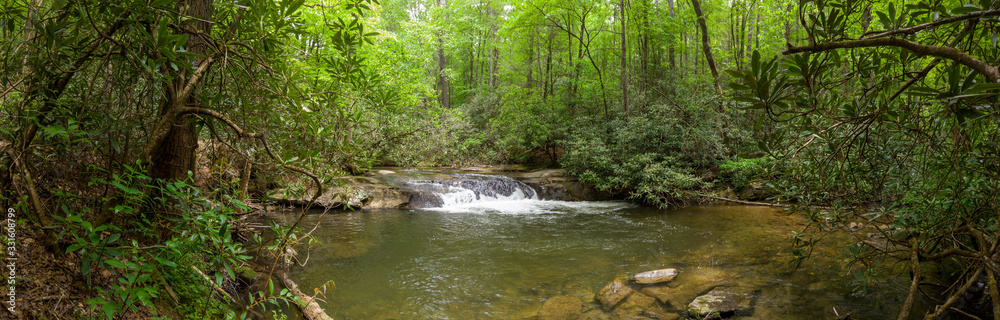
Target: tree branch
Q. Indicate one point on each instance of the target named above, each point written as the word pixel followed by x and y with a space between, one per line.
pixel 217 115
pixel 919 27
pixel 991 72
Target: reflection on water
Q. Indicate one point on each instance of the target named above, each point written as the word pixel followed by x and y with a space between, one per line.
pixel 502 259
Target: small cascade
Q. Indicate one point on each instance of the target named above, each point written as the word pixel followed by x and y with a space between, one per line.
pixel 466 189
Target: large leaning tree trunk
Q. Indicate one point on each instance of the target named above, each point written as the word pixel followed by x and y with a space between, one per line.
pixel 175 156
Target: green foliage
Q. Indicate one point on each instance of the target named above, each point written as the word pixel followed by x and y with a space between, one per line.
pixel 742 171
pixel 654 158
pixel 142 264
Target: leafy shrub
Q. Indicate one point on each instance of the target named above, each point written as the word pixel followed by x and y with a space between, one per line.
pixel 198 233
pixel 742 171
pixel 653 157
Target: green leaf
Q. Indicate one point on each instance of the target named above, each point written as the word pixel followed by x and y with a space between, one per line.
pixel 293 6
pixel 114 263
pixel 58 4
pixel 166 262
pixel 222 230
pixel 74 247
pixel 968 8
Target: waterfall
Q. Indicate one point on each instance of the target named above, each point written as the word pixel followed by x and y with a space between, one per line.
pixel 466 189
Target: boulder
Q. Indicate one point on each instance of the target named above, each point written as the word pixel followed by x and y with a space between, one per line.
pixel 655 276
pixel 676 294
pixel 555 184
pixel 756 190
pixel 560 308
pixel 721 303
pixel 349 192
pixel 613 293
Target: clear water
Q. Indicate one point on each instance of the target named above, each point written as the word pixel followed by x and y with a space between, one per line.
pixel 503 259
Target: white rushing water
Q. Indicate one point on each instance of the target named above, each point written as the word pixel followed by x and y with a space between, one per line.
pixel 472 193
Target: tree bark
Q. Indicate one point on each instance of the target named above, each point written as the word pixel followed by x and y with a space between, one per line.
pixel 623 82
pixel 174 157
pixel 443 86
pixel 991 72
pixel 705 44
pixel 670 37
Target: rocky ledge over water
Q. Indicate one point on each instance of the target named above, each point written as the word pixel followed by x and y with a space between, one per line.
pixel 391 188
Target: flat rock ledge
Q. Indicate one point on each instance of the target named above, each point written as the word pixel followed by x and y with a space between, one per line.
pixel 352 193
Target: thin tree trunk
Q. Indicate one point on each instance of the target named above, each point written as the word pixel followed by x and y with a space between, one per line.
pixel 705 44
pixel 531 60
pixel 624 61
pixel 443 86
pixel 670 39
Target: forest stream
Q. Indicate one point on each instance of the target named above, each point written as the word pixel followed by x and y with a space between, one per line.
pixel 492 250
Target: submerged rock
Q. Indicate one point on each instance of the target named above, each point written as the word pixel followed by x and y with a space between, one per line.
pixel 677 293
pixel 721 303
pixel 641 306
pixel 656 276
pixel 595 315
pixel 613 293
pixel 659 291
pixel 560 308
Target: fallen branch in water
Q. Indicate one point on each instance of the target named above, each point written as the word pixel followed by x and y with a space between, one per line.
pixel 310 309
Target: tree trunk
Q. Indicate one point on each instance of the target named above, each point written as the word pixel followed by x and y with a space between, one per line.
pixel 530 61
pixel 705 44
pixel 175 156
pixel 670 39
pixel 444 90
pixel 624 61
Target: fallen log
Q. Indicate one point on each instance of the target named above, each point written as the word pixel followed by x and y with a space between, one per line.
pixel 310 309
pixel 752 203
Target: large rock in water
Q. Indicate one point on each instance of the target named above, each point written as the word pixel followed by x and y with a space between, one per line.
pixel 555 184
pixel 613 293
pixel 655 276
pixel 350 192
pixel 680 291
pixel 721 302
pixel 560 308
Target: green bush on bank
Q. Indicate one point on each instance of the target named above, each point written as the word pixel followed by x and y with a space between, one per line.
pixel 742 171
pixel 655 157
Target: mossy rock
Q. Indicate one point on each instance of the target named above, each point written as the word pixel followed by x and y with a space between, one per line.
pixel 246 273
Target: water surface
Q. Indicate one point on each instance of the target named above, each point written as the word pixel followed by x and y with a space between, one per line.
pixel 503 259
